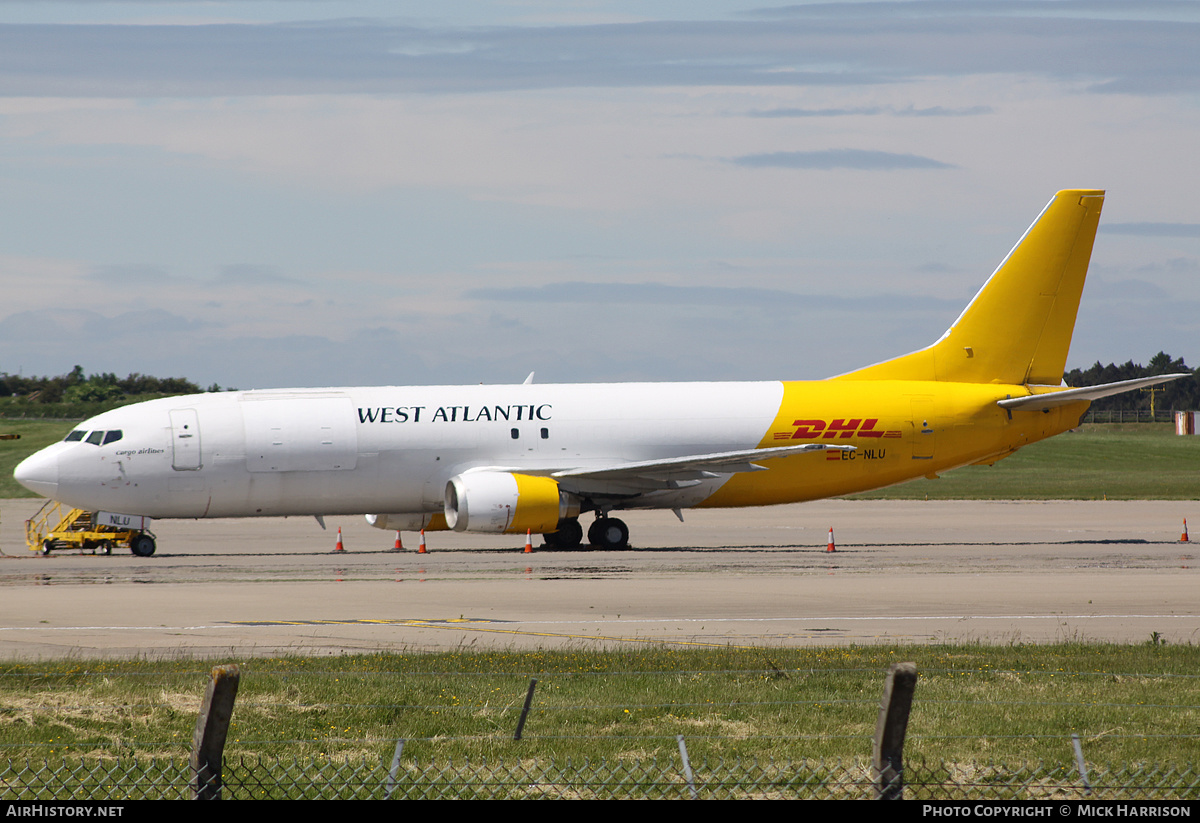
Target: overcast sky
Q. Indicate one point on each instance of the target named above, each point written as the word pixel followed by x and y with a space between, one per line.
pixel 265 194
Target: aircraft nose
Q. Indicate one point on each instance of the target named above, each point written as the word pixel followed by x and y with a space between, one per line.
pixel 39 473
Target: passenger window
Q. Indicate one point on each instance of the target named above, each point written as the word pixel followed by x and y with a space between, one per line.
pixel 95 437
pixel 515 434
pixel 75 436
pixel 112 436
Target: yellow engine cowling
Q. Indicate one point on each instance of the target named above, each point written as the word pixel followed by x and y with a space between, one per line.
pixel 506 503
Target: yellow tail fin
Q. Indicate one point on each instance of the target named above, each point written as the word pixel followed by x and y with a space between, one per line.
pixel 1018 327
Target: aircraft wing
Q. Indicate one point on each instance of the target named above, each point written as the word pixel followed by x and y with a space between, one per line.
pixel 1049 400
pixel 678 472
pixel 718 463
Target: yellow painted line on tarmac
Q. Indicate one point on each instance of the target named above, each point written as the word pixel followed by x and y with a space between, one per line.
pixel 408 621
pixel 478 625
pixel 610 638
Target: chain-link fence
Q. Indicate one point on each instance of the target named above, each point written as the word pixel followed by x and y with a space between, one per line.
pixel 1129 416
pixel 360 758
pixel 257 777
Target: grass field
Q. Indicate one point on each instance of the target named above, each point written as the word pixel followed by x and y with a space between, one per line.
pixel 974 704
pixel 1117 461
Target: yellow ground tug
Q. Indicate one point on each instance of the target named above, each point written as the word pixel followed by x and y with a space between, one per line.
pixel 84 530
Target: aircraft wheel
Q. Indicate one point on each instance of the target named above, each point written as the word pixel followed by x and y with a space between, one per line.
pixel 568 536
pixel 142 545
pixel 609 533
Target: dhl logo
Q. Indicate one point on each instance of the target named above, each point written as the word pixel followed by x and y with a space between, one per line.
pixel 836 429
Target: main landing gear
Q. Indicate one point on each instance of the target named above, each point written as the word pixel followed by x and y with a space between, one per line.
pixel 568 536
pixel 609 533
pixel 604 533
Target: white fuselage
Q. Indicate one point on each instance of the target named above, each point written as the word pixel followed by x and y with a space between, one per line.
pixel 388 449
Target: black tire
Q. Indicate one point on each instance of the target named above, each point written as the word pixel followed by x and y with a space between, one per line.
pixel 47 547
pixel 106 547
pixel 142 545
pixel 568 536
pixel 609 533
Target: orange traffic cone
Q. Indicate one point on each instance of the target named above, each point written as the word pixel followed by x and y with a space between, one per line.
pixel 339 547
pixel 831 547
pixel 422 549
pixel 529 541
pixel 399 547
pixel 1183 538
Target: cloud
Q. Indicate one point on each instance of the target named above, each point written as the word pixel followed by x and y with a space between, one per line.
pixel 1176 265
pixel 838 159
pixel 805 46
pixel 658 294
pixel 130 274
pixel 78 332
pixel 1153 229
pixel 873 111
pixel 1099 289
pixel 248 274
pixel 1068 9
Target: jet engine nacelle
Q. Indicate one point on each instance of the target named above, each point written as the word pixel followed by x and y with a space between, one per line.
pixel 408 521
pixel 506 503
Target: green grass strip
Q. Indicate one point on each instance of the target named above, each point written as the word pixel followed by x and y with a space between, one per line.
pixel 974 704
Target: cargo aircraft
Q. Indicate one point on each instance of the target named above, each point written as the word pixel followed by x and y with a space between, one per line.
pixel 535 458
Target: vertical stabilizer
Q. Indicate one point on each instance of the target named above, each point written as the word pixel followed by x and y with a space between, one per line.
pixel 1018 327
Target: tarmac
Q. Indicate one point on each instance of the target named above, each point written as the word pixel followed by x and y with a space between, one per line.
pixel 903 572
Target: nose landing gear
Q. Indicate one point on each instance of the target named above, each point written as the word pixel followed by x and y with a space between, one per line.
pixel 142 545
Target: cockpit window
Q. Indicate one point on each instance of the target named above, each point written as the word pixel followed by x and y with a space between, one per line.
pixel 96 438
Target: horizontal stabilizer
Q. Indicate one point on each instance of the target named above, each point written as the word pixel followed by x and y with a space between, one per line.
pixel 1041 402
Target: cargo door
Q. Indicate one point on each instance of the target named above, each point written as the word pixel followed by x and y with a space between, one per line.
pixel 185 440
pixel 299 433
pixel 923 435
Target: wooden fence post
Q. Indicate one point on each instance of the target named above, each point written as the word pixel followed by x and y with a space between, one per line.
pixel 525 710
pixel 887 754
pixel 212 725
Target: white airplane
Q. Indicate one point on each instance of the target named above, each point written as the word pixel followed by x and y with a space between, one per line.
pixel 531 457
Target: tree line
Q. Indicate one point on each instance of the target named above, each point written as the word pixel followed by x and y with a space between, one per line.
pixel 75 387
pixel 1180 395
